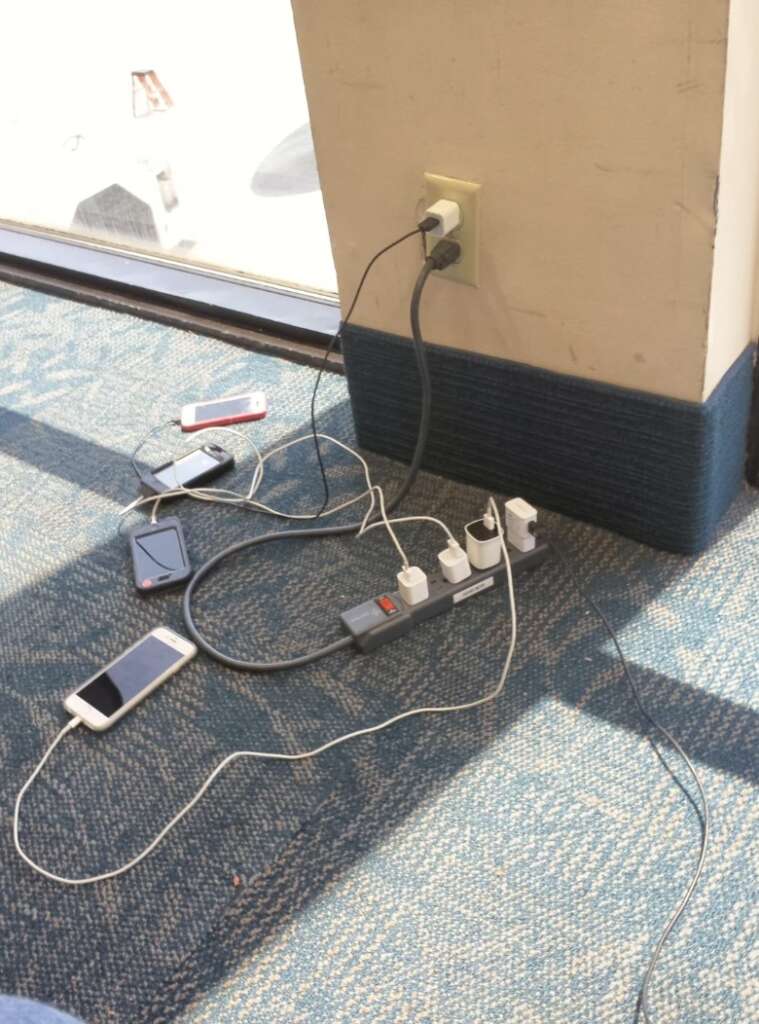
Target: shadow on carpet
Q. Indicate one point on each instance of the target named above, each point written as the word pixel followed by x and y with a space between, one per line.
pixel 455 868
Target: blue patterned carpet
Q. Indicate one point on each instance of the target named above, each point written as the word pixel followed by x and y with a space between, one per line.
pixel 509 864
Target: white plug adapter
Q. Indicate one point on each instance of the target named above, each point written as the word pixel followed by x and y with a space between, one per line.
pixel 454 563
pixel 520 520
pixel 448 216
pixel 412 584
pixel 483 542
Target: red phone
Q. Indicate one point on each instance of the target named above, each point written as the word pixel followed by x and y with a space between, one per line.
pixel 222 411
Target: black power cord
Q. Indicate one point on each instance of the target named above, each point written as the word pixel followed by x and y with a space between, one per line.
pixel 571 572
pixel 337 337
pixel 444 253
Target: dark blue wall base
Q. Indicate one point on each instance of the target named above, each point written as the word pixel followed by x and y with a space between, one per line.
pixel 657 469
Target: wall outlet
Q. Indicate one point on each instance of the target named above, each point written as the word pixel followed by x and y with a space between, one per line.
pixel 467 195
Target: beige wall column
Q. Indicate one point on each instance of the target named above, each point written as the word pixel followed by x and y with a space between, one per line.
pixel 595 130
pixel 734 293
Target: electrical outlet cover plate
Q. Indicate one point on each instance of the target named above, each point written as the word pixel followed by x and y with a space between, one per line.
pixel 467 195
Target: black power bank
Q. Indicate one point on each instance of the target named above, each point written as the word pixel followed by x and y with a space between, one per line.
pixel 159 555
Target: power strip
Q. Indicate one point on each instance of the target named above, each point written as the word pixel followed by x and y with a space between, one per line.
pixel 387 616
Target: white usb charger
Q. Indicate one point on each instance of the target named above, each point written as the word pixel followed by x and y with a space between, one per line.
pixel 412 584
pixel 454 563
pixel 448 216
pixel 483 543
pixel 520 523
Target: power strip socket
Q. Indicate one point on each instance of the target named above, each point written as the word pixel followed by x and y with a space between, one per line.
pixel 387 616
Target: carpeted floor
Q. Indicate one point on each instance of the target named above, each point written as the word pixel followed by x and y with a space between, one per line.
pixel 509 864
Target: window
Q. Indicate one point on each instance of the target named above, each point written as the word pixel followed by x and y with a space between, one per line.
pixel 177 132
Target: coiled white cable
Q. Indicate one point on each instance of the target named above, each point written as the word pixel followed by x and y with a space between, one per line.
pixel 407 519
pixel 271 755
pixel 220 495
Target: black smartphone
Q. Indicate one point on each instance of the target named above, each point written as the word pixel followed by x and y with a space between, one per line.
pixel 159 555
pixel 196 468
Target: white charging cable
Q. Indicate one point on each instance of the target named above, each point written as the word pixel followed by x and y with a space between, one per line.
pixel 384 521
pixel 273 756
pixel 178 487
pixel 407 519
pixel 222 495
pixel 219 495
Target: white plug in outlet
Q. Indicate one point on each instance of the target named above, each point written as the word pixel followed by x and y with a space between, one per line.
pixel 467 195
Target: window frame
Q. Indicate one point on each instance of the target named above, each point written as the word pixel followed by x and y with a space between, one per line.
pixel 81 267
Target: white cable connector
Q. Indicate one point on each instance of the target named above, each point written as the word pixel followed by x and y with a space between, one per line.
pixel 448 215
pixel 454 563
pixel 520 520
pixel 412 585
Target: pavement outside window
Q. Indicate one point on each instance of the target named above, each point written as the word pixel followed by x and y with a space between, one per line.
pixel 174 127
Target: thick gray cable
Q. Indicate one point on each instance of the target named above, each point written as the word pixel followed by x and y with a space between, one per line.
pixel 322 531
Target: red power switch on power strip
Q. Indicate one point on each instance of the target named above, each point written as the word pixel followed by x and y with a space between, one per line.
pixel 387 605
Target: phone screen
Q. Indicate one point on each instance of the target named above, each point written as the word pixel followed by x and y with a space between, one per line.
pixel 157 552
pixel 223 408
pixel 129 675
pixel 188 468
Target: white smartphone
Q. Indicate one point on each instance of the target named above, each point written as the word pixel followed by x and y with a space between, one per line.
pixel 109 694
pixel 223 411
